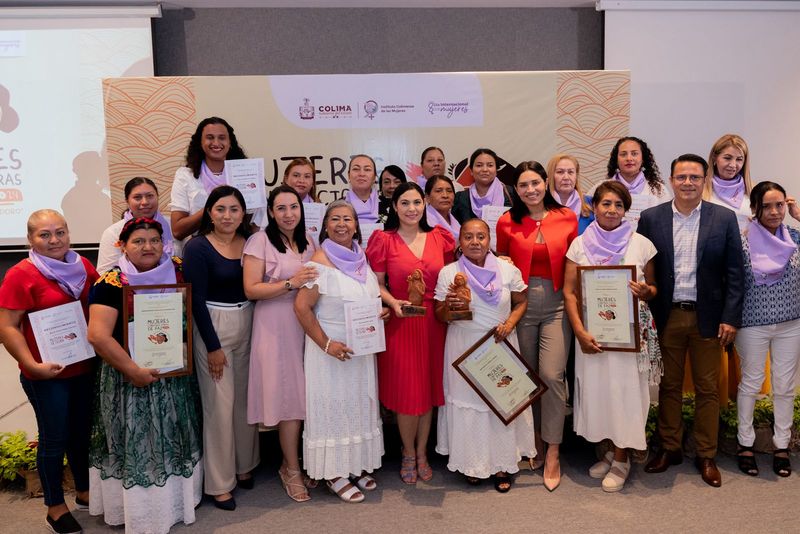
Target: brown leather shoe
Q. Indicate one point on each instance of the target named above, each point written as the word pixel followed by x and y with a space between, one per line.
pixel 709 472
pixel 663 460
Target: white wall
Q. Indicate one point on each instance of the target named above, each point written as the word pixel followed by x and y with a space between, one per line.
pixel 696 75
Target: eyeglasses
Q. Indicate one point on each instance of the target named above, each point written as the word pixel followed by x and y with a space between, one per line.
pixel 693 178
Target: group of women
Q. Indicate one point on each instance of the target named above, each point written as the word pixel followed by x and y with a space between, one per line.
pixel 269 307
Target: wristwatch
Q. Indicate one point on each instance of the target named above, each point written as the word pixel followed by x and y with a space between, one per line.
pixel 288 285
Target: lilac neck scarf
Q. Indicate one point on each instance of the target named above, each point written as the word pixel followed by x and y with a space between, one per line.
pixel 70 274
pixel 769 254
pixel 486 281
pixel 367 211
pixel 166 238
pixel 604 247
pixel 636 186
pixel 494 197
pixel 421 181
pixel 307 199
pixel 352 262
pixel 209 179
pixel 434 218
pixel 163 273
pixel 574 203
pixel 731 192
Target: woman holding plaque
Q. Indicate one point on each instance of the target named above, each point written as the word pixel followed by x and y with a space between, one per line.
pixel 343 440
pixel 536 234
pixel 486 190
pixel 391 177
pixel 301 176
pixel 612 395
pixel 770 322
pixel 632 164
pixel 728 181
pixel 362 195
pixel 564 184
pixel 61 396
pixel 212 143
pixel 141 195
pixel 146 469
pixel 439 195
pixel 407 258
pixel 478 442
pixel 274 268
pixel 223 319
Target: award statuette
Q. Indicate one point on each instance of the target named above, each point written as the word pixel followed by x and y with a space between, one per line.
pixel 416 292
pixel 460 311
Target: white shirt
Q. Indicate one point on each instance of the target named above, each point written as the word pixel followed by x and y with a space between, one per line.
pixel 743 213
pixel 685 229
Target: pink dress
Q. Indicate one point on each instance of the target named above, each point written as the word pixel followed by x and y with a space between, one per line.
pixel 276 390
pixel 410 371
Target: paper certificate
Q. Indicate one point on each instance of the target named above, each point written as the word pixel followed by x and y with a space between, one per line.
pixel 366 231
pixel 491 214
pixel 61 334
pixel 247 175
pixel 608 306
pixel 158 331
pixel 365 333
pixel 639 203
pixel 314 212
pixel 500 377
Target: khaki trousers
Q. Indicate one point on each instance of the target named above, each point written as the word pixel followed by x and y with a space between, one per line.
pixel 544 335
pixel 230 445
pixel 679 335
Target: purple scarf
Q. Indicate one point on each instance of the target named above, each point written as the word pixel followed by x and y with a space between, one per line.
pixel 434 218
pixel 731 192
pixel 70 274
pixel 209 179
pixel 163 273
pixel 494 197
pixel 307 199
pixel 635 187
pixel 352 262
pixel 367 212
pixel 604 247
pixel 166 238
pixel 486 281
pixel 421 181
pixel 574 203
pixel 769 254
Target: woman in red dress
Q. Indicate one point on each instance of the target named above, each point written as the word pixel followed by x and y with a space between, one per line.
pixel 410 371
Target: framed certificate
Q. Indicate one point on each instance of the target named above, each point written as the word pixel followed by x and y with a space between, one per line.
pixel 608 308
pixel 158 334
pixel 61 334
pixel 499 375
pixel 364 325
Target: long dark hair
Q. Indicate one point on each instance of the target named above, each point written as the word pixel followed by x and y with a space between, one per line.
pixel 393 221
pixel 195 154
pixel 757 196
pixel 518 208
pixel 649 166
pixel 206 226
pixel 136 182
pixel 274 233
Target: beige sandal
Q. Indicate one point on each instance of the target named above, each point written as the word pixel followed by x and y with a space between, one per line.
pixel 292 481
pixel 617 475
pixel 601 468
pixel 342 488
pixel 365 482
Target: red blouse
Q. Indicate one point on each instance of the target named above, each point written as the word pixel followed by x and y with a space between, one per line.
pixel 559 228
pixel 540 262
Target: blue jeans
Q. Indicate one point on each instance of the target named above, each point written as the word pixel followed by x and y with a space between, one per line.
pixel 63 408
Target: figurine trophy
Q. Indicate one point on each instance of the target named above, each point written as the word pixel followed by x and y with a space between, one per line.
pixel 416 293
pixel 460 311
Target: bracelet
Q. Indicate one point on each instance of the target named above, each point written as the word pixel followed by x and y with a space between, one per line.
pixel 327 344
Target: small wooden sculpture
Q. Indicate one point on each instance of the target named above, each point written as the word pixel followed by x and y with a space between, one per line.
pixel 460 311
pixel 416 294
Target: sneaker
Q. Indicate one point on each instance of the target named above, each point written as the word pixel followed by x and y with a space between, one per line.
pixel 617 475
pixel 65 524
pixel 81 505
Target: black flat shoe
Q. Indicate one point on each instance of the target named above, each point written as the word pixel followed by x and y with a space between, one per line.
pixel 782 466
pixel 502 483
pixel 472 481
pixel 229 505
pixel 747 464
pixel 245 483
pixel 66 524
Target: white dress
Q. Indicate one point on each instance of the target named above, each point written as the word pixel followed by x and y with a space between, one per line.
pixel 342 433
pixel 743 213
pixel 612 396
pixel 478 442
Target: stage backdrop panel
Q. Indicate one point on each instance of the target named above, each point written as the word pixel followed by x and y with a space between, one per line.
pixel 392 117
